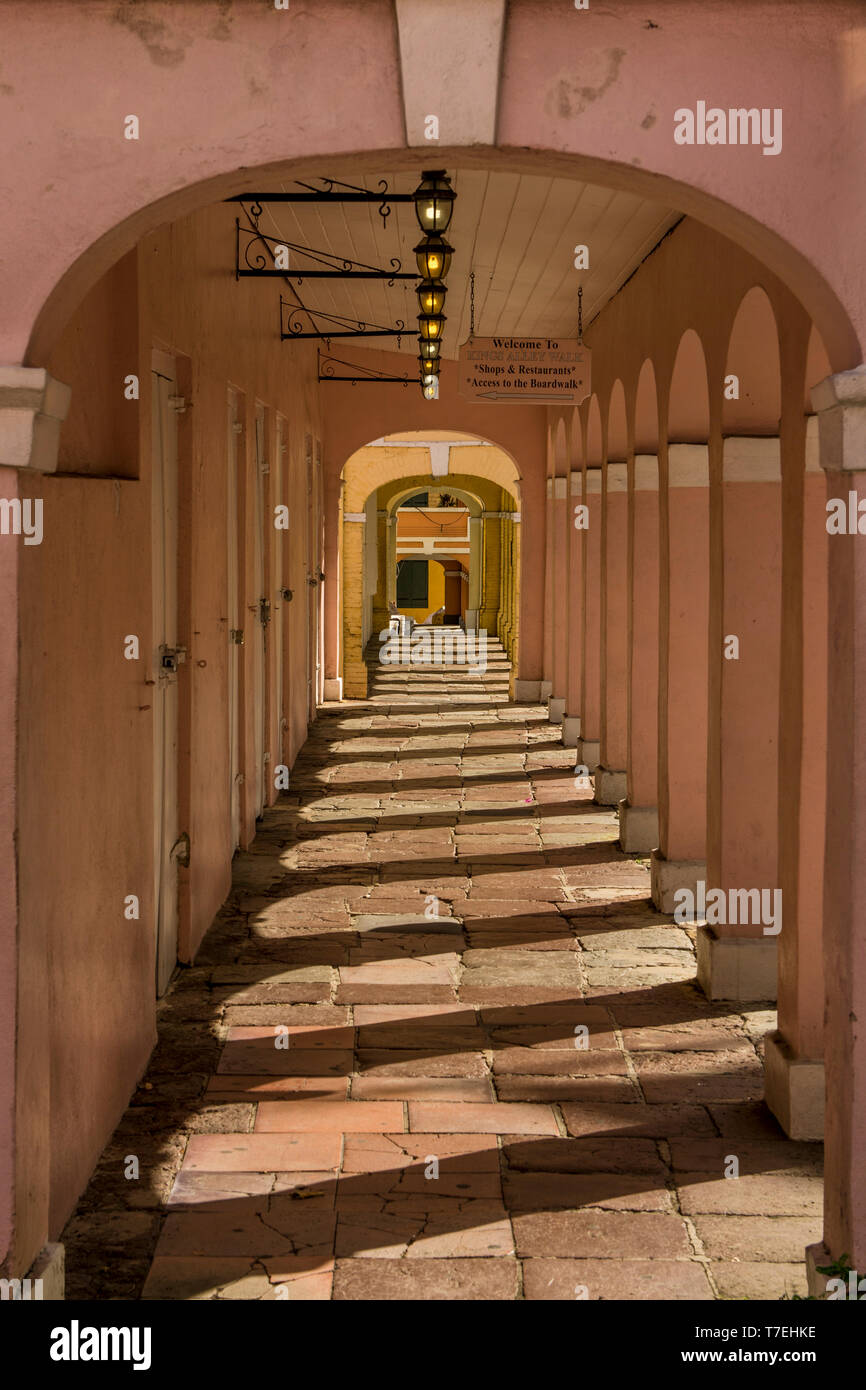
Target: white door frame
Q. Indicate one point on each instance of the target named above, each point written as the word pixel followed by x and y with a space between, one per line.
pixel 164 493
pixel 259 623
pixel 278 583
pixel 234 625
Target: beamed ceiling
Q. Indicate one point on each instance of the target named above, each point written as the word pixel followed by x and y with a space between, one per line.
pixel 516 231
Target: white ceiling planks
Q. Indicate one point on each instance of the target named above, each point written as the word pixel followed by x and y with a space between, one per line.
pixel 517 231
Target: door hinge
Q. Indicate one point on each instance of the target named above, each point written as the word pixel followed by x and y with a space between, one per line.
pixel 236 636
pixel 264 611
pixel 180 850
pixel 178 404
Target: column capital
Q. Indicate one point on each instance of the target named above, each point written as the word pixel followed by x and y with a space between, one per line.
pixel 593 480
pixel 840 403
pixel 576 483
pixel 33 406
pixel 354 516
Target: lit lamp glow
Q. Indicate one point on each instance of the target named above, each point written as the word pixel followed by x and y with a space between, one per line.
pixel 428 350
pixel 433 257
pixel 429 371
pixel 431 296
pixel 431 327
pixel 434 201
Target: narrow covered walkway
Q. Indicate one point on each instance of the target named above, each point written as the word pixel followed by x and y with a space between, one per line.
pixel 439 1044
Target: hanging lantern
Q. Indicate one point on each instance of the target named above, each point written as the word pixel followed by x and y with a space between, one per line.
pixel 431 296
pixel 431 389
pixel 431 326
pixel 433 257
pixel 429 370
pixel 434 201
pixel 428 350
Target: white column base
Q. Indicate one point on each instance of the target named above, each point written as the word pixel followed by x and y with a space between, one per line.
pixel 546 690
pixel 794 1089
pixel 570 730
pixel 527 692
pixel 555 710
pixel 588 751
pixel 667 875
pixel 471 619
pixel 333 688
pixel 610 786
pixel 737 967
pixel 638 828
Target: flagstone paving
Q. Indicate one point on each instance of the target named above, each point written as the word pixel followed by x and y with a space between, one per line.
pixel 439 1045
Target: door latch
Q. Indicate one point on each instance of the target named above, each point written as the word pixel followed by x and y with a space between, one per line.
pixel 264 611
pixel 236 636
pixel 170 658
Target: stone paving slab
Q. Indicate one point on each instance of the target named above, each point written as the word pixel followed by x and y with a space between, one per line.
pixel 439 1045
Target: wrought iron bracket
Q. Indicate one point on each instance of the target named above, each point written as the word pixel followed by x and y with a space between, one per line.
pixel 293 325
pixel 257 254
pixel 332 191
pixel 368 374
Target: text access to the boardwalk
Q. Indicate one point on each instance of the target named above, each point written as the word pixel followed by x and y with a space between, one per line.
pixel 517 369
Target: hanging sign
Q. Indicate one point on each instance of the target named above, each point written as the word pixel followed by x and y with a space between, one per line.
pixel 524 369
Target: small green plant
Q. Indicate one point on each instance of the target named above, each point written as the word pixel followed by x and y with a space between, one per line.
pixel 839 1269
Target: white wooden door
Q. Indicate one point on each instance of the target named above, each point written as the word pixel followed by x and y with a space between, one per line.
pixel 261 617
pixel 278 583
pixel 312 594
pixel 320 563
pixel 165 657
pixel 235 626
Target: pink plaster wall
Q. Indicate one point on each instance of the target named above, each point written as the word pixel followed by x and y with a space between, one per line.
pixel 614 738
pixel 683 789
pixel 9 482
pixel 750 688
pixel 591 689
pixel 86 975
pixel 642 764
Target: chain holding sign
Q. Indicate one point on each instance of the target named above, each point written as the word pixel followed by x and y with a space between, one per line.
pixel 521 369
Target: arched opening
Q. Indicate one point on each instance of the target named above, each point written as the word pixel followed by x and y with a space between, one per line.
pixel 751 654
pixel 272 619
pixel 639 828
pixel 434 494
pixel 684 617
pixel 610 781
